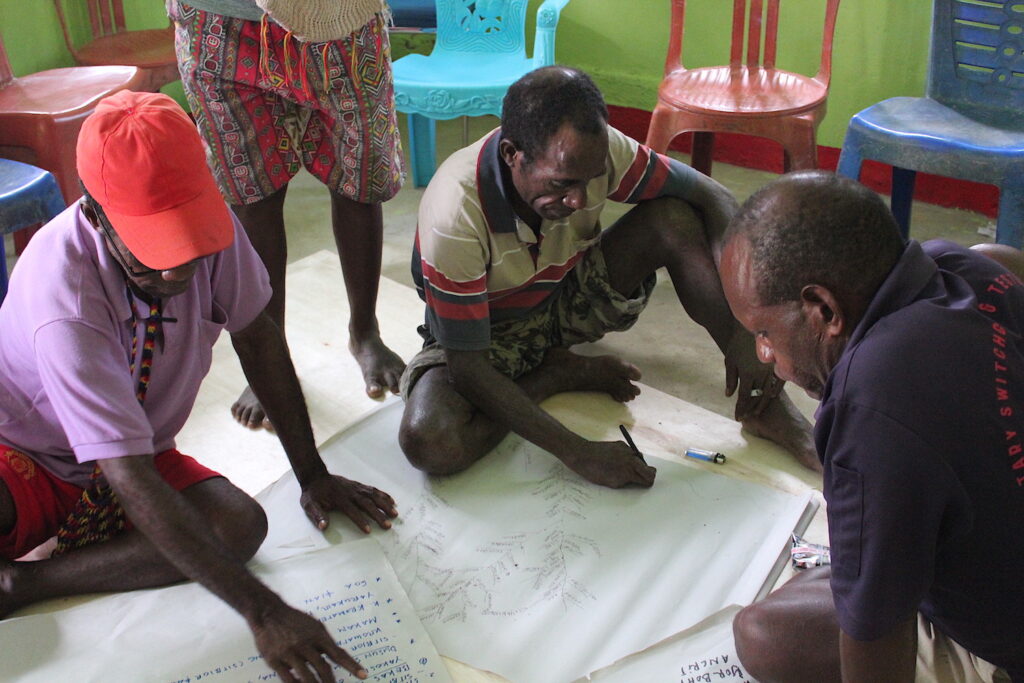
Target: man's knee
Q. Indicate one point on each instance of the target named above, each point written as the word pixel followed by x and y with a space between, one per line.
pixel 753 638
pixel 674 222
pixel 792 630
pixel 236 518
pixel 433 430
pixel 430 445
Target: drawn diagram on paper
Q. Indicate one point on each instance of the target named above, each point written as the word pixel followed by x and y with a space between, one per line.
pixel 518 554
pixel 541 558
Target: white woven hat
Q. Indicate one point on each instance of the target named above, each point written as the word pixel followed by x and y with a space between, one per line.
pixel 317 21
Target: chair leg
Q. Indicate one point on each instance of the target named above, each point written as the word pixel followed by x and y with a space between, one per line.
pixel 700 158
pixel 849 160
pixel 1010 223
pixel 902 197
pixel 801 152
pixel 422 148
pixel 661 130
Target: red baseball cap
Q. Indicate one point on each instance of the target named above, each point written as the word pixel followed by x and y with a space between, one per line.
pixel 141 159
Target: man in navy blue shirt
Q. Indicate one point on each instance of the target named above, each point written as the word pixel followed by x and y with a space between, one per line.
pixel 915 352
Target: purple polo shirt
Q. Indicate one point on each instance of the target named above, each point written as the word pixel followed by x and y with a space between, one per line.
pixel 66 395
pixel 921 431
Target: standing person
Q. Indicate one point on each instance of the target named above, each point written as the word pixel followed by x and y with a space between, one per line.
pixel 916 353
pixel 514 266
pixel 267 102
pixel 108 330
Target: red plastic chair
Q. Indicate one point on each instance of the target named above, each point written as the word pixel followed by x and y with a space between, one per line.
pixel 41 114
pixel 152 50
pixel 751 97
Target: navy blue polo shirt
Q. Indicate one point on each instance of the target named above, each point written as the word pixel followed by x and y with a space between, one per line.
pixel 921 431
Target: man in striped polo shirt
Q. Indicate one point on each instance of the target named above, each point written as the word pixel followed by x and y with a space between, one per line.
pixel 514 267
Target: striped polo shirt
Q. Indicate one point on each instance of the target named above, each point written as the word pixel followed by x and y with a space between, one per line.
pixel 476 263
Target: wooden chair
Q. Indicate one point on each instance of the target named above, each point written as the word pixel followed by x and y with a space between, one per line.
pixel 748 96
pixel 41 114
pixel 151 50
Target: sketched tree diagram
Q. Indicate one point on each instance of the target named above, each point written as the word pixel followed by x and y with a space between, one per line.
pixel 446 587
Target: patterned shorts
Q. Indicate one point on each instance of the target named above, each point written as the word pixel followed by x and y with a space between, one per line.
pixel 585 309
pixel 42 501
pixel 265 103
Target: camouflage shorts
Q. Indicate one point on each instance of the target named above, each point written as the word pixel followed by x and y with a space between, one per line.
pixel 585 308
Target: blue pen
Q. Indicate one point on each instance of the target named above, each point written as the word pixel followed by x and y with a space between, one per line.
pixel 706 456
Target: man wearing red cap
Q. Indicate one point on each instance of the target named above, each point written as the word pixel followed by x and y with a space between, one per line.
pixel 107 333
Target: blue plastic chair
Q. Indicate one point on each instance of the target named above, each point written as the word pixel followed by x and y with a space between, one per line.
pixel 480 51
pixel 971 123
pixel 28 195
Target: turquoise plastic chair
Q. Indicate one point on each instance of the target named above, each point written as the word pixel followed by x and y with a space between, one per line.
pixel 28 195
pixel 480 51
pixel 971 123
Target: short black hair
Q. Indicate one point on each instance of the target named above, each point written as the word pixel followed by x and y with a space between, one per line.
pixel 537 105
pixel 815 227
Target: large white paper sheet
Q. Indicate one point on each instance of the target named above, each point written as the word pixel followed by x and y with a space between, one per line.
pixel 520 567
pixel 184 633
pixel 701 654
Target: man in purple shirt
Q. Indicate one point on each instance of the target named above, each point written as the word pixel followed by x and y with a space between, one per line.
pixel 916 353
pixel 107 334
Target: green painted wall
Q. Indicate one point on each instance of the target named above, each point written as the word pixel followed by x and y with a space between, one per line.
pixel 881 47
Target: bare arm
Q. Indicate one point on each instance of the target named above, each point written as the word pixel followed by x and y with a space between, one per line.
pixel 609 463
pixel 717 206
pixel 890 659
pixel 709 197
pixel 287 638
pixel 264 356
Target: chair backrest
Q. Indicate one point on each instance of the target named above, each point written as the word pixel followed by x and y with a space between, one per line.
pixel 481 26
pixel 977 59
pixel 106 17
pixel 750 20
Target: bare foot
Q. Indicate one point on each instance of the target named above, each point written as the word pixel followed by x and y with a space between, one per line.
pixel 607 374
pixel 382 367
pixel 782 423
pixel 249 413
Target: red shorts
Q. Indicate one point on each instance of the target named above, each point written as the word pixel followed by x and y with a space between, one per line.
pixel 42 502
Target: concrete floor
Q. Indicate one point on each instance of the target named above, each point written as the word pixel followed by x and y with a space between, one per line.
pixel 691 369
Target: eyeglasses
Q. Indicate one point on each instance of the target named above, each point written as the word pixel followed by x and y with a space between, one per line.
pixel 108 230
